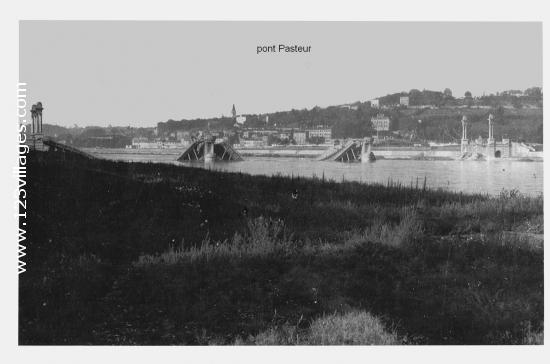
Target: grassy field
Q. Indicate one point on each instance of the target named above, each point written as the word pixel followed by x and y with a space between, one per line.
pixel 140 253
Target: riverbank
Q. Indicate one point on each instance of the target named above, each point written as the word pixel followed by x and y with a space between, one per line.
pixel 163 254
pixel 312 152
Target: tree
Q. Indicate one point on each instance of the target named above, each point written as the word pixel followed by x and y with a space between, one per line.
pixel 415 97
pixel 516 103
pixel 539 134
pixel 273 140
pixel 499 113
pixel 534 92
pixel 468 95
pixel 447 92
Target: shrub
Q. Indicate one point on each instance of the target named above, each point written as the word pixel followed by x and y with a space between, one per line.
pixel 408 230
pixel 352 328
pixel 533 338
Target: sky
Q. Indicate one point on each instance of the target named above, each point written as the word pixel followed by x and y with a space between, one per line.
pixel 139 73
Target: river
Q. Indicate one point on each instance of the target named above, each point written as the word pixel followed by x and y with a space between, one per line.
pixel 467 176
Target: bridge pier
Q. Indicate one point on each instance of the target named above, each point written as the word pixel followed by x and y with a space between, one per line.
pixel 464 141
pixel 491 139
pixel 366 151
pixel 209 155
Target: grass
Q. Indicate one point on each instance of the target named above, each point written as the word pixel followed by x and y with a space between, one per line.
pixel 352 328
pixel 263 238
pixel 408 230
pixel 139 253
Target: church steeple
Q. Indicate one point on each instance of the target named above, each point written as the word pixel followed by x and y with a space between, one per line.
pixel 233 112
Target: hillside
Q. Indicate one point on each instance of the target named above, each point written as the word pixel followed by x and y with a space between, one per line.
pixel 96 136
pixel 519 118
pixel 444 124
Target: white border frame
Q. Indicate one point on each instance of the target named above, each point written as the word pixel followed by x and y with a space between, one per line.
pixel 342 10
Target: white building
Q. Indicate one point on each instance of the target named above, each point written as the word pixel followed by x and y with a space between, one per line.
pixel 349 107
pixel 320 133
pixel 375 103
pixel 380 122
pixel 300 137
pixel 404 101
pixel 248 143
pixel 144 143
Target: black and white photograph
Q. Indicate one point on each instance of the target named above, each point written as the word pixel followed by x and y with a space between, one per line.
pixel 278 183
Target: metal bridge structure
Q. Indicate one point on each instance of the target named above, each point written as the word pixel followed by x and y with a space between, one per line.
pixel 354 150
pixel 207 150
pixel 60 147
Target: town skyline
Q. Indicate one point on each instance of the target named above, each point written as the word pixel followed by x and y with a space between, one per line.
pixel 238 113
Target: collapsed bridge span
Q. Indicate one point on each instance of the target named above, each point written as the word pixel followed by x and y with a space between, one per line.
pixel 207 150
pixel 352 151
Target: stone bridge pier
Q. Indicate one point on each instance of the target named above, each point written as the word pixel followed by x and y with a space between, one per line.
pixel 464 143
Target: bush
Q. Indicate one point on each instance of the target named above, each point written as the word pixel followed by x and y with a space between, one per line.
pixel 404 233
pixel 352 328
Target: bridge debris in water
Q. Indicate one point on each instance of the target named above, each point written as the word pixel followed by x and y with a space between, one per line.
pixel 52 145
pixel 207 150
pixel 351 151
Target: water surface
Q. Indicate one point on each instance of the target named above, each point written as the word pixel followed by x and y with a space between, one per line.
pixel 466 176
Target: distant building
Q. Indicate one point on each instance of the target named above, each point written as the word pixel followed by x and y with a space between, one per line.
pixel 145 143
pixel 320 133
pixel 183 135
pixel 375 103
pixel 170 145
pixel 349 107
pixel 266 131
pixel 380 122
pixel 516 93
pixel 404 101
pixel 300 137
pixel 284 136
pixel 247 143
pixel 240 119
pixel 140 142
